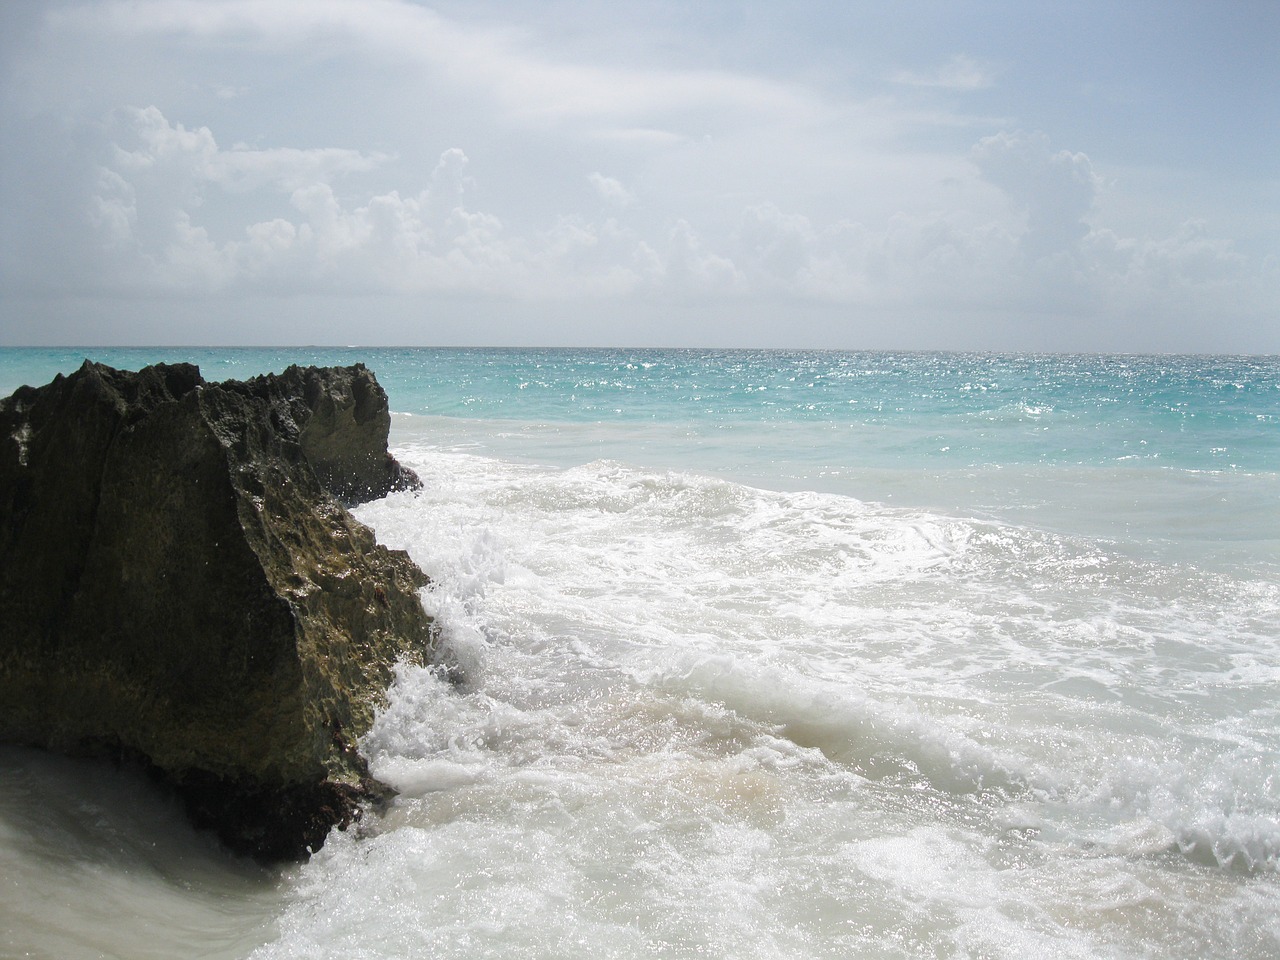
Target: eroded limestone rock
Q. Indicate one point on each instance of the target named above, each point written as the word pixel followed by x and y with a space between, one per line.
pixel 180 583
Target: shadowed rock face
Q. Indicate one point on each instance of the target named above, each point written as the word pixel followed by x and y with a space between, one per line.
pixel 180 583
pixel 343 422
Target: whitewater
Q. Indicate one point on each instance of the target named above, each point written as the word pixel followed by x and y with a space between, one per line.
pixel 752 654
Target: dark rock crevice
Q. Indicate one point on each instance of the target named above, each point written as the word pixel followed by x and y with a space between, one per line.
pixel 180 582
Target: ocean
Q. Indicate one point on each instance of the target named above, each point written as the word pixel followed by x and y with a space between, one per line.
pixel 765 654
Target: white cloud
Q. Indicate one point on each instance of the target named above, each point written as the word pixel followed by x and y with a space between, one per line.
pixel 153 206
pixel 1055 190
pixel 958 73
pixel 693 267
pixel 430 240
pixel 911 260
pixel 415 153
pixel 610 190
pixel 780 246
pixel 113 210
pixel 1047 258
pixel 527 88
pixel 1190 267
pixel 240 168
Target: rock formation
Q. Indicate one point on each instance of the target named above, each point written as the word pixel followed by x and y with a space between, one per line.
pixel 179 583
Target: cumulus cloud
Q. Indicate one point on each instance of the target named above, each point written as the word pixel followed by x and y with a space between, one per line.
pixel 1067 259
pixel 421 150
pixel 780 245
pixel 158 142
pixel 695 267
pixel 175 211
pixel 1054 189
pixel 1047 257
pixel 113 209
pixel 909 260
pixel 1190 267
pixel 153 201
pixel 170 204
pixel 610 190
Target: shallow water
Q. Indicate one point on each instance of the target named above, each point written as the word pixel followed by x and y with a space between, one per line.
pixel 976 657
pixel 94 862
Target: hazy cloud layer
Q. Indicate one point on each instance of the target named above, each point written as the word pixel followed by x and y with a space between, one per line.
pixel 260 153
pixel 958 73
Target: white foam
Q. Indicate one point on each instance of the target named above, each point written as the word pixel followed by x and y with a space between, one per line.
pixel 735 722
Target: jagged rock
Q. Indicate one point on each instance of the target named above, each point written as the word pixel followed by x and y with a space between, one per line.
pixel 180 583
pixel 343 422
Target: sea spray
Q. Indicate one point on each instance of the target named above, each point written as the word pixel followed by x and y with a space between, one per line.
pixel 663 726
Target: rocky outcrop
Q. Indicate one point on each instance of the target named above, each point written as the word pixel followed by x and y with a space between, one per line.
pixel 343 421
pixel 180 582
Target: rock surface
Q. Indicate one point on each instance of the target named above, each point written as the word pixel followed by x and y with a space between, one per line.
pixel 179 583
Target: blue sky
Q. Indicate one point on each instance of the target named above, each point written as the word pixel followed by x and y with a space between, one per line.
pixel 967 175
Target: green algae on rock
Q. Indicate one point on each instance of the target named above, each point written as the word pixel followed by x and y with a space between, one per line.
pixel 181 583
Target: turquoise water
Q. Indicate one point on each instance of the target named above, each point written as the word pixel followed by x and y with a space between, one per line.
pixel 769 655
pixel 1179 454
pixel 1205 413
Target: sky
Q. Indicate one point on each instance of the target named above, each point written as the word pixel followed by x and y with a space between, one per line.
pixel 969 175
